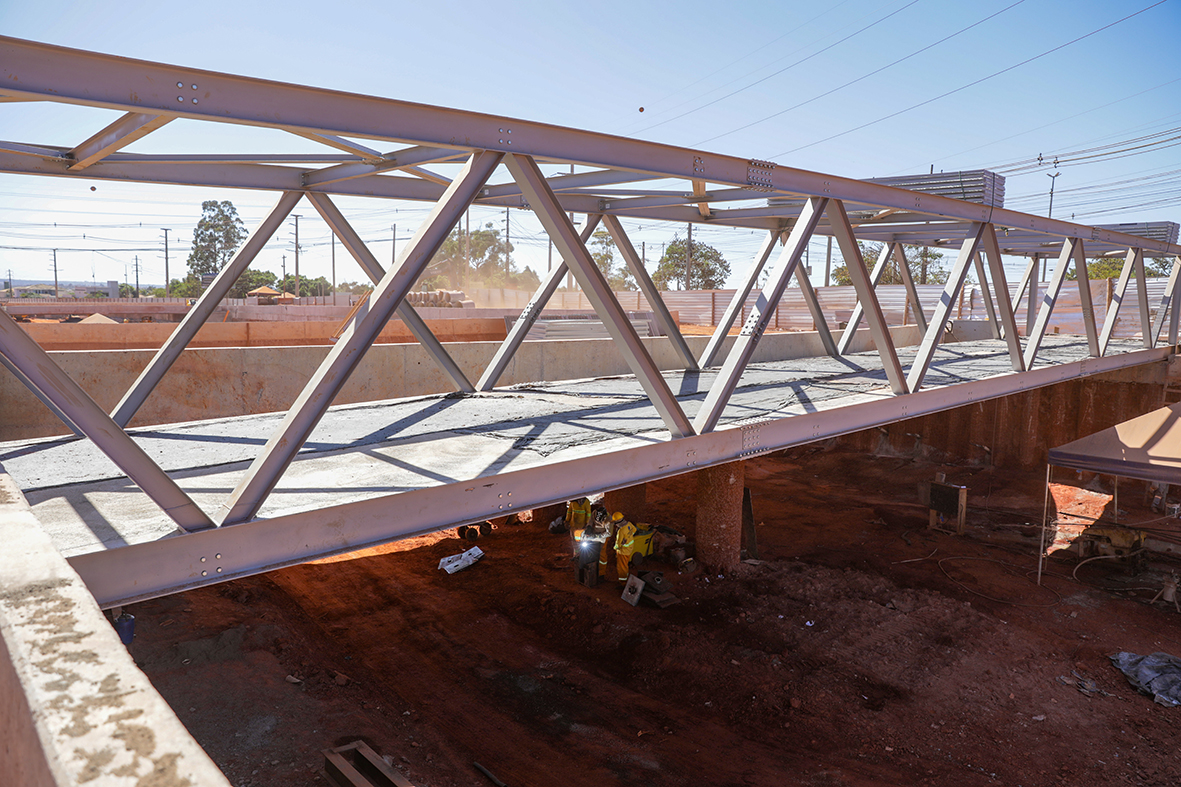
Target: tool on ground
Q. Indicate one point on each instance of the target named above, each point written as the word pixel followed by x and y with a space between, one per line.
pixel 1169 592
pixel 633 589
pixel 489 774
pixel 453 563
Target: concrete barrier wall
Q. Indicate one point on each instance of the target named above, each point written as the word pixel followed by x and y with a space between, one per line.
pixel 144 336
pixel 219 382
pixel 74 708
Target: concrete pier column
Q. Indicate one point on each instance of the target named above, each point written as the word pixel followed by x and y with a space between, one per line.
pixel 719 516
pixel 631 500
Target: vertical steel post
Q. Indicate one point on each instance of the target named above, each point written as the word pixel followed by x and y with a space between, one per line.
pixel 1085 300
pixel 989 308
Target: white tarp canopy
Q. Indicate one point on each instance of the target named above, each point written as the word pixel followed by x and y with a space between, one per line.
pixel 1147 447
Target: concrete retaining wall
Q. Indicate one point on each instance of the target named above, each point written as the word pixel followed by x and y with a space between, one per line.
pixel 218 382
pixel 74 708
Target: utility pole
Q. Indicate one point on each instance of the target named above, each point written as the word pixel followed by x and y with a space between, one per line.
pixel 296 217
pixel 284 270
pixel 137 275
pixel 55 292
pixel 167 281
pixel 394 252
pixel 1053 179
pixel 334 269
pixel 828 263
pixel 506 242
pixel 688 254
pixel 10 282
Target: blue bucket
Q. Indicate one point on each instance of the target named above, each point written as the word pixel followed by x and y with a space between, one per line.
pixel 125 626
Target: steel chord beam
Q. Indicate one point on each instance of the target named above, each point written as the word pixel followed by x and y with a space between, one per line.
pixel 855 265
pixel 1000 286
pixel 45 72
pixel 989 307
pixel 549 212
pixel 549 285
pixel 405 158
pixel 1053 288
pixel 310 406
pixel 1117 300
pixel 340 143
pixel 413 322
pixel 744 346
pixel 124 131
pixel 875 278
pixel 663 317
pixel 916 305
pixel 1028 279
pixel 83 412
pixel 939 318
pixel 184 333
pixel 734 308
pixel 1084 296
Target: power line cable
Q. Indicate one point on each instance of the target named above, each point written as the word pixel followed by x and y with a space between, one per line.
pixel 862 77
pixel 972 83
pixel 785 68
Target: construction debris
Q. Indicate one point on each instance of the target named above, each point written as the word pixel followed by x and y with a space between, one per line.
pixel 1158 675
pixel 459 562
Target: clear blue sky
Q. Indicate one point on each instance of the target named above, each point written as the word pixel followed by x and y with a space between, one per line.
pixel 782 81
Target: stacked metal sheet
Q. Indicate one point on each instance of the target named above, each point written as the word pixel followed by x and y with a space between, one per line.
pixel 1164 231
pixel 975 185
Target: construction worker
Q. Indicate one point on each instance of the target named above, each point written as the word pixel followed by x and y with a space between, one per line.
pixel 578 514
pixel 609 525
pixel 631 540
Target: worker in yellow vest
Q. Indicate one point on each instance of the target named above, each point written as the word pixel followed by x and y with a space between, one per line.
pixel 632 539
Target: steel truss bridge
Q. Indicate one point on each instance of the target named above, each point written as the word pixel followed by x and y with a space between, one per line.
pixel 209 502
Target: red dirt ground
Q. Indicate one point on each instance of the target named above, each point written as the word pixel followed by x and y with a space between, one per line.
pixel 862 650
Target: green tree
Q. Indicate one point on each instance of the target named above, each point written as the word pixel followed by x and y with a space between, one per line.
pixel 708 271
pixel 355 288
pixel 1111 267
pixel 467 258
pixel 927 265
pixel 189 287
pixel 251 280
pixel 602 251
pixel 218 234
pixel 307 287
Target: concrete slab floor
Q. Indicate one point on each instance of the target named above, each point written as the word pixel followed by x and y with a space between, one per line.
pixel 363 451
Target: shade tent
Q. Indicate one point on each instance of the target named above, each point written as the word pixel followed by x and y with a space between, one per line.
pixel 1147 447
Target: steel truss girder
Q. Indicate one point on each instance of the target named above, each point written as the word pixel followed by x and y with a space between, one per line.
pixel 663 317
pixel 866 298
pixel 310 406
pixel 734 308
pixel 812 301
pixel 951 291
pixel 1084 296
pixel 543 202
pixel 410 318
pixel 512 342
pixel 1000 287
pixel 197 316
pixel 81 411
pixel 44 72
pixel 143 571
pixel 744 346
